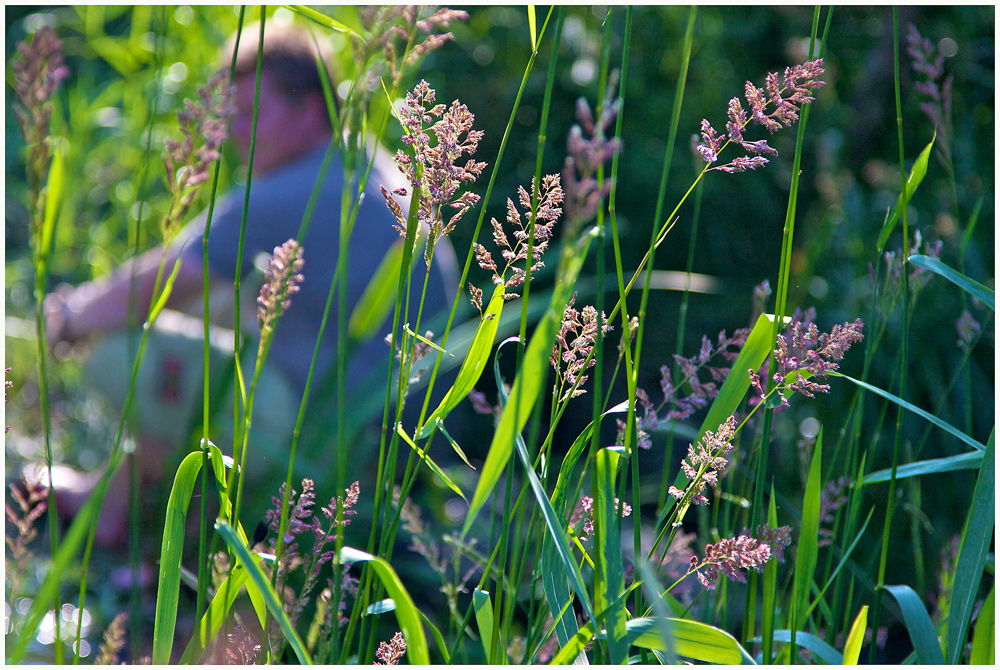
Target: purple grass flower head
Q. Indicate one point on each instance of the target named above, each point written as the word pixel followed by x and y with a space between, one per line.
pixel 968 330
pixel 785 95
pixel 281 282
pixel 397 28
pixel 442 141
pixel 928 63
pixel 588 147
pixel 831 499
pixel 725 347
pixel 514 247
pixel 390 652
pixel 575 340
pixel 734 556
pixel 803 349
pixel 203 125
pixel 30 496
pixel 705 460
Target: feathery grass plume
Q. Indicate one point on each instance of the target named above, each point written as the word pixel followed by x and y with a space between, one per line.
pixel 114 641
pixel 918 278
pixel 928 61
pixel 390 652
pixel 585 156
pixel 31 498
pixel 241 648
pixel 968 330
pixel 802 348
pixel 734 556
pixel 786 94
pixel 585 512
pixel 704 462
pixel 434 171
pixel 38 69
pixel 302 520
pixel 389 26
pixel 550 196
pixel 570 356
pixel 281 281
pixel 203 124
pixel 831 499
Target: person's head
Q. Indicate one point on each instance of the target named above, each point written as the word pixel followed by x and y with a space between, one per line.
pixel 292 116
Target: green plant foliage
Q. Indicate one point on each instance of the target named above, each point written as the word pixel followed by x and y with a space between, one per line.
pixel 855 638
pixel 918 624
pixel 970 286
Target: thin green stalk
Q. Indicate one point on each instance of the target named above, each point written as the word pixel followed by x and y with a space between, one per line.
pixel 890 503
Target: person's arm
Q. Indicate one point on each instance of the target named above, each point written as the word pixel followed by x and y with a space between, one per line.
pixel 101 306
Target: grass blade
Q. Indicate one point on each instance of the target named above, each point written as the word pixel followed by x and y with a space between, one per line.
pixel 852 648
pixel 917 173
pixel 215 615
pixel 325 20
pixel 379 296
pixel 571 650
pixel 967 461
pixel 407 614
pixel 435 468
pixel 972 555
pixel 918 624
pixel 474 364
pixel 484 617
pixel 770 588
pixel 983 639
pixel 692 639
pixel 823 651
pixel 971 286
pixel 608 541
pixel 948 428
pixel 532 27
pixel 807 551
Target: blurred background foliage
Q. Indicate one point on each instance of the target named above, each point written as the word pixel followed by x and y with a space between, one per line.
pixel 131 66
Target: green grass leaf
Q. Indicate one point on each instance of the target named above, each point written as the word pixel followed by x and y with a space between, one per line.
pixel 324 20
pixel 532 27
pixel 972 555
pixel 770 587
pixel 967 461
pixel 855 638
pixel 918 624
pixel 473 365
pixel 251 563
pixel 435 468
pixel 574 647
pixel 438 638
pixel 917 173
pixel 984 637
pixel 215 615
pixel 407 614
pixel 608 543
pixel 691 639
pixel 916 410
pixel 483 604
pixel 971 286
pixel 53 197
pixel 379 296
pixel 825 652
pixel 807 551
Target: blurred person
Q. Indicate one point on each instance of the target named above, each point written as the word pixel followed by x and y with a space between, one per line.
pixel 292 137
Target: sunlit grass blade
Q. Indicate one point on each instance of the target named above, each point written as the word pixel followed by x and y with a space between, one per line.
pixel 532 27
pixel 161 301
pixel 483 604
pixel 807 549
pixel 970 460
pixel 855 638
pixel 435 468
pixel 454 444
pixel 407 614
pixel 438 638
pixel 574 647
pixel 573 455
pixel 917 173
pixel 172 548
pixel 215 615
pixel 691 639
pixel 770 588
pixel 325 20
pixel 251 564
pixel 474 364
pixel 823 651
pixel 916 410
pixel 984 637
pixel 918 624
pixel 983 293
pixel 972 555
pixel 53 197
pixel 379 296
pixel 608 542
pixel 654 590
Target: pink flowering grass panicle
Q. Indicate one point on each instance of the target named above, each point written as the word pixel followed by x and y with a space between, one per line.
pixel 281 281
pixel 588 147
pixel 803 349
pixel 30 503
pixel 734 556
pixel 389 653
pixel 114 641
pixel 784 95
pixel 927 62
pixel 395 28
pixel 575 340
pixel 704 462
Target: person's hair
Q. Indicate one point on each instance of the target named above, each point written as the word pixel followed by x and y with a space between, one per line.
pixel 289 54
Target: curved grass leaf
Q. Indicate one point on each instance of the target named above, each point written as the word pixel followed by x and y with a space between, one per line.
pixel 474 364
pixel 948 428
pixel 379 296
pixel 852 648
pixel 161 302
pixel 917 173
pixel 967 461
pixel 918 624
pixel 251 564
pixel 983 639
pixel 483 605
pixel 843 561
pixel 435 468
pixel 608 543
pixel 814 644
pixel 407 614
pixel 807 551
pixel 574 647
pixel 691 639
pixel 171 550
pixel 215 615
pixel 972 555
pixel 971 286
pixel 381 607
pixel 438 638
pixel 325 20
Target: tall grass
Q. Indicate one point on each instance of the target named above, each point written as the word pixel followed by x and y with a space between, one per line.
pixel 539 565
